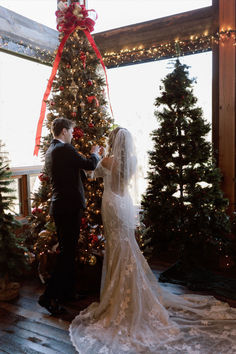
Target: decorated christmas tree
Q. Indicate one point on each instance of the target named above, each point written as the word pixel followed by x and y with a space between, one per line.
pixel 13 261
pixel 184 208
pixel 79 94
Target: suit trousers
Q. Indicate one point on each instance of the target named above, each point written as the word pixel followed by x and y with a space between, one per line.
pixel 62 283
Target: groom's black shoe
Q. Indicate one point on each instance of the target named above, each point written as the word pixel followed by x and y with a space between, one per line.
pixel 74 297
pixel 51 304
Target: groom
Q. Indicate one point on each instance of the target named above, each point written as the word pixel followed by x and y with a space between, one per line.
pixel 65 167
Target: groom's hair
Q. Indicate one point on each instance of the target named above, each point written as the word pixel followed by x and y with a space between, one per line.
pixel 59 124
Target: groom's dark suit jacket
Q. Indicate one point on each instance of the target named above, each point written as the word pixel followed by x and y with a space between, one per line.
pixel 64 166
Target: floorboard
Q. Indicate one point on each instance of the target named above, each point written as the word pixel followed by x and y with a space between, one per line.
pixel 26 327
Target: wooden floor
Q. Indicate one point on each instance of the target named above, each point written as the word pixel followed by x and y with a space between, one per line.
pixel 25 327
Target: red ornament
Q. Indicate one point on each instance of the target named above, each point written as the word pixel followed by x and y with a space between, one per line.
pixel 77 133
pixel 73 114
pixel 61 88
pixel 91 125
pixel 36 211
pixel 52 103
pixel 84 223
pixel 68 66
pixel 43 178
pixel 90 82
pixel 83 58
pixel 95 238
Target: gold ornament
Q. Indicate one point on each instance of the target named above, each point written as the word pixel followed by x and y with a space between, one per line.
pixel 82 259
pixel 77 10
pixel 82 105
pixel 73 88
pixel 44 233
pixel 50 116
pixel 92 260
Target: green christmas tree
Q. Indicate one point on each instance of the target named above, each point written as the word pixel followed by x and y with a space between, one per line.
pixel 13 261
pixel 183 207
pixel 79 94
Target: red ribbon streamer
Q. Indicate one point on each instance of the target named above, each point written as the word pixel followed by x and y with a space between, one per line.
pixel 67 26
pixel 91 98
pixel 93 44
pixel 47 92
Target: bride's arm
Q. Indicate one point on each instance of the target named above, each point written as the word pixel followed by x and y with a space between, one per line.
pixel 102 167
pixel 107 162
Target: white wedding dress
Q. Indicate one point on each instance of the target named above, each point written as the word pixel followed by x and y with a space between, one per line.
pixel 135 314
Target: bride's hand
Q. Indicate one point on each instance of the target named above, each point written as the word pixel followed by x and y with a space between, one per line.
pixel 102 151
pixel 107 162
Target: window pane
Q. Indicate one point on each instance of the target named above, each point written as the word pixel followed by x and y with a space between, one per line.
pixel 133 90
pixel 22 85
pixel 111 13
pixel 16 206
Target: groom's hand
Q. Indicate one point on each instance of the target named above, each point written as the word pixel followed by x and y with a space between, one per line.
pixel 95 149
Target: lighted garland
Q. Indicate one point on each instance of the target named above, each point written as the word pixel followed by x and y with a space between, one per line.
pixel 195 44
pixel 43 56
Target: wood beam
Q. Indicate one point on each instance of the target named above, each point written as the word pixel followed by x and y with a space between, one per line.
pixel 156 32
pixel 26 38
pixel 22 36
pixel 215 84
pixel 227 101
pixel 25 201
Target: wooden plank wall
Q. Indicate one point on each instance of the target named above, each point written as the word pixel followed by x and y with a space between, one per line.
pixel 227 101
pixel 215 83
pixel 23 37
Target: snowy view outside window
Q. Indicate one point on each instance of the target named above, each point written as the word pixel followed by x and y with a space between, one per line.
pixel 133 89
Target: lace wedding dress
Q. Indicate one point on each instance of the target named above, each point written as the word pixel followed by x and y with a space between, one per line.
pixel 135 314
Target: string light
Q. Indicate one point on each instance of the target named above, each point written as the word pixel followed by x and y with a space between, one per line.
pixel 195 44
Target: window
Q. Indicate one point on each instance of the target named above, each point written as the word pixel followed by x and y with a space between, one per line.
pixel 22 84
pixel 134 88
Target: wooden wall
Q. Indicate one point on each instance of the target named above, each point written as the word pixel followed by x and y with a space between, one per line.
pixel 224 97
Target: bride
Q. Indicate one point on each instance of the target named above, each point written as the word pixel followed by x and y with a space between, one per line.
pixel 135 314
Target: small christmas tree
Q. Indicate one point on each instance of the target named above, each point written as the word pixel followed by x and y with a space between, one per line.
pixel 78 93
pixel 184 208
pixel 13 261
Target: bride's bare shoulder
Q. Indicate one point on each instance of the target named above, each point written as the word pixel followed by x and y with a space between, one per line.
pixel 107 162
